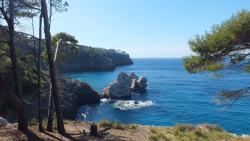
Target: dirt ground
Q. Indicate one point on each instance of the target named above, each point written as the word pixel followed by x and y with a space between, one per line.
pixel 79 131
pixel 74 131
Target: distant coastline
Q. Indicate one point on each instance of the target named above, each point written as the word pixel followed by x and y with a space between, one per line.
pixel 87 59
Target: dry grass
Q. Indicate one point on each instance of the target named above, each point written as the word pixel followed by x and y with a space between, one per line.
pixel 194 133
pixel 117 125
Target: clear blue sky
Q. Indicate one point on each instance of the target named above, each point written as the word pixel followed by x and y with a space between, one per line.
pixel 143 28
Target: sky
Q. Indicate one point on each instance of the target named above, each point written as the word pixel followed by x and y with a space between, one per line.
pixel 143 28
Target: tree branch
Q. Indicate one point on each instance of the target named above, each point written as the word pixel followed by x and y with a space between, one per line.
pixel 231 96
pixel 4 13
pixel 29 5
pixel 225 52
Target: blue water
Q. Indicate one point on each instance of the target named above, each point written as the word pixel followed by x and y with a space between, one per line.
pixel 177 97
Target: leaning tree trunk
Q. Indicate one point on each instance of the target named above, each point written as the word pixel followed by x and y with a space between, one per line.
pixel 52 69
pixel 51 107
pixel 39 74
pixel 17 84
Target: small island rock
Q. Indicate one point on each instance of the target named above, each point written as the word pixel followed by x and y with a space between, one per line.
pixel 124 85
pixel 120 88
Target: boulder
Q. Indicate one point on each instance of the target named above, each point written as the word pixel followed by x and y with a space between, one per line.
pixel 3 122
pixel 74 94
pixel 86 95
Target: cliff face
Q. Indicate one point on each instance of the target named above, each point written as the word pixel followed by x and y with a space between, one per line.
pixel 85 58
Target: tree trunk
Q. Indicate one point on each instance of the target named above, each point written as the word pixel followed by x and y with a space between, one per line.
pixel 52 69
pixel 39 74
pixel 51 103
pixel 17 84
pixel 51 107
pixel 51 111
pixel 16 102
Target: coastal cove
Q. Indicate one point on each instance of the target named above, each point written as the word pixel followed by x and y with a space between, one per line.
pixel 173 97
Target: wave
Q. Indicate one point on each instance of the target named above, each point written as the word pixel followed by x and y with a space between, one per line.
pixel 245 136
pixel 131 104
pixel 242 135
pixel 105 100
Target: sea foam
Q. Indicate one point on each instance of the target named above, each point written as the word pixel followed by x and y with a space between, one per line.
pixel 131 104
pixel 105 100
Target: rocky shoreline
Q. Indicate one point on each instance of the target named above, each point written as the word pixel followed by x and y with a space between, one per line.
pixel 74 94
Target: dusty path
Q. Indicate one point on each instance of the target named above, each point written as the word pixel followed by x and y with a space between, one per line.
pixel 74 132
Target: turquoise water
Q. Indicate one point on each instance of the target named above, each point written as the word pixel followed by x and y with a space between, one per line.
pixel 173 97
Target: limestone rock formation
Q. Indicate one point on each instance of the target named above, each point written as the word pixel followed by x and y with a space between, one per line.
pixel 139 86
pixel 124 85
pixel 120 88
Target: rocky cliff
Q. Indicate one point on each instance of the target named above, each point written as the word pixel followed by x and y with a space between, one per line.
pixel 84 58
pixel 70 56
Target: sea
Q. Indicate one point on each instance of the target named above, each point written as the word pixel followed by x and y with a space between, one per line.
pixel 173 97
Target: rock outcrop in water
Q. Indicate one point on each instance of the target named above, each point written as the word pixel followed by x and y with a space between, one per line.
pixel 85 94
pixel 124 85
pixel 75 94
pixel 120 88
